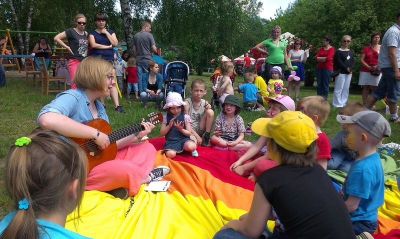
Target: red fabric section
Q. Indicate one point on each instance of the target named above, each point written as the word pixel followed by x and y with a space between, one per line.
pixel 393 234
pixel 217 162
pixel 324 147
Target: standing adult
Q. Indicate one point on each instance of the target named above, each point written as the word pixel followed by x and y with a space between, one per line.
pixel 343 62
pixel 143 46
pixel 102 41
pixel 42 49
pixel 388 62
pixel 369 77
pixel 297 57
pixel 2 72
pixel 275 50
pixel 324 58
pixel 77 45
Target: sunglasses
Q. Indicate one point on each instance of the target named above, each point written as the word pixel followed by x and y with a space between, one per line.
pixel 347 41
pixel 81 23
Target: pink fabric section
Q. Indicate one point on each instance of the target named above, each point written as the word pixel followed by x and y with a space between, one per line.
pixel 72 65
pixel 263 165
pixel 130 166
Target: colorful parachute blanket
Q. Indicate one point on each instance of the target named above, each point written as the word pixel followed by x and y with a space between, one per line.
pixel 204 194
pixel 389 212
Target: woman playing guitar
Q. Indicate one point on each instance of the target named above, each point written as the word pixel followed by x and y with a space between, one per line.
pixel 128 164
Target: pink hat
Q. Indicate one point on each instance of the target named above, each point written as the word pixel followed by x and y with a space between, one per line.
pixel 284 100
pixel 174 99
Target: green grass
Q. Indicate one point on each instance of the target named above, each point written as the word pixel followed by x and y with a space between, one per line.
pixel 20 104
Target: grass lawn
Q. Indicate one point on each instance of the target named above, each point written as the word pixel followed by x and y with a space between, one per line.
pixel 21 103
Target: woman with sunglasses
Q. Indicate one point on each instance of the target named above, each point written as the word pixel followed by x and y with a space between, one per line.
pixel 343 61
pixel 324 58
pixel 275 49
pixel 102 41
pixel 297 57
pixel 77 45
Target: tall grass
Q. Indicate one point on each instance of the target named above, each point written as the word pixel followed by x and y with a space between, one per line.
pixel 20 104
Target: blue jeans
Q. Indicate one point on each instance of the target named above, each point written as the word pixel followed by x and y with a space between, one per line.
pixel 146 97
pixel 141 68
pixel 340 160
pixel 364 226
pixel 388 86
pixel 323 78
pixel 2 75
pixel 132 86
pixel 47 60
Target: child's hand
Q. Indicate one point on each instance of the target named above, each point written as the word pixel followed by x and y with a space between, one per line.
pixel 179 125
pixel 234 165
pixel 217 133
pixel 284 89
pixel 231 143
pixel 207 106
pixel 199 140
pixel 171 122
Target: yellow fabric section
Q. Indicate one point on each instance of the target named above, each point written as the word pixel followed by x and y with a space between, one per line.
pixel 196 205
pixel 389 212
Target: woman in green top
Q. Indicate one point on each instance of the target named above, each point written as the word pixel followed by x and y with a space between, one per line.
pixel 275 49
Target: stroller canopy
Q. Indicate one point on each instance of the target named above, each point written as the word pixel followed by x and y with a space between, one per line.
pixel 177 70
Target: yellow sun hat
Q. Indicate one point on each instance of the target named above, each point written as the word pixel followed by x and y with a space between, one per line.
pixel 292 130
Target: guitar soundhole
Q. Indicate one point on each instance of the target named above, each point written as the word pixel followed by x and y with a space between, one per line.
pixel 92 148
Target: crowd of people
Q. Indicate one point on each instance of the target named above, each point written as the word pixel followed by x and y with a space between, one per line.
pixel 288 162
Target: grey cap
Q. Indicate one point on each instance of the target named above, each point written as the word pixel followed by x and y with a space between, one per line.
pixel 371 121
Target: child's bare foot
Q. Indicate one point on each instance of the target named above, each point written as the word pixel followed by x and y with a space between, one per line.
pixel 239 170
pixel 252 177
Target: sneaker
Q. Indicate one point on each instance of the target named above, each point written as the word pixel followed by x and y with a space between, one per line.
pixel 158 173
pixel 205 142
pixel 394 120
pixel 119 109
pixel 365 235
pixel 297 99
pixel 144 138
pixel 195 153
pixel 119 193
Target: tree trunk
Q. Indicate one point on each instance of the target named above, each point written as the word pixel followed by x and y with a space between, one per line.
pixel 20 40
pixel 127 23
pixel 28 28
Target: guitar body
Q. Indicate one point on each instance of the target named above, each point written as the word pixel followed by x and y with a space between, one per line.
pixel 96 155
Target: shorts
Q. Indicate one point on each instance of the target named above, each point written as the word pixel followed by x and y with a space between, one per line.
pixel 250 104
pixel 388 86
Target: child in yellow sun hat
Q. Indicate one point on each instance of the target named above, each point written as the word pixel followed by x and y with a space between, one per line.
pixel 298 189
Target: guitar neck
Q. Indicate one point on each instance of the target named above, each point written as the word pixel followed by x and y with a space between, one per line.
pixel 124 132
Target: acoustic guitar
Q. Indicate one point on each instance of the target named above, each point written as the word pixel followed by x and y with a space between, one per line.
pixel 97 155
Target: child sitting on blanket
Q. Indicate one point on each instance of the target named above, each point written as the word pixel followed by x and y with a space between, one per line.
pixel 317 108
pixel 229 126
pixel 298 189
pixel 45 178
pixel 248 163
pixel 176 127
pixel 363 188
pixel 341 156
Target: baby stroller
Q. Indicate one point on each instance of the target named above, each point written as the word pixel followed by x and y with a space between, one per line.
pixel 215 79
pixel 177 74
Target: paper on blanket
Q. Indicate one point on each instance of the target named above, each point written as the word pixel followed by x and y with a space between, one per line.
pixel 159 186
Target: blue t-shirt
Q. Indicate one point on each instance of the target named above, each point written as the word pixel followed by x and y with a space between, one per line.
pixel 48 230
pixel 75 105
pixel 249 91
pixel 106 54
pixel 365 180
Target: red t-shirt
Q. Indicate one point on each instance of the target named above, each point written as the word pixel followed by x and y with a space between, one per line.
pixel 247 61
pixel 132 74
pixel 324 147
pixel 370 57
pixel 328 64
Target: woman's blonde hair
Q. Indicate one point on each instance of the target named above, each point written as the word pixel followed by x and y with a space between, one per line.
pixel 92 72
pixel 40 173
